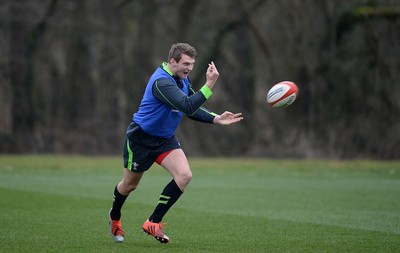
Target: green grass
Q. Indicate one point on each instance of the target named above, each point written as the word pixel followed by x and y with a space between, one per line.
pixel 61 203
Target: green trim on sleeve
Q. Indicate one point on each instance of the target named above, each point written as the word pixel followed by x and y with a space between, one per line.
pixel 207 92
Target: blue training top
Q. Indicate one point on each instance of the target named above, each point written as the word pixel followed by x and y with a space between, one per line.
pixel 166 99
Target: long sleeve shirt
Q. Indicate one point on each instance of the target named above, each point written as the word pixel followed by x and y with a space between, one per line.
pixel 166 99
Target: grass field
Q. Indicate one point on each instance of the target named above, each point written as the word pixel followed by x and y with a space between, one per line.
pixel 61 204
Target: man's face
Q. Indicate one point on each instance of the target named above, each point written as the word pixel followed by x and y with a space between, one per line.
pixel 182 68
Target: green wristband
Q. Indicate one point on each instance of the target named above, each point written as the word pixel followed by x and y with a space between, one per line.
pixel 207 92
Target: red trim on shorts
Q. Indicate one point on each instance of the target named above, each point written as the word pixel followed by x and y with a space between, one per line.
pixel 161 157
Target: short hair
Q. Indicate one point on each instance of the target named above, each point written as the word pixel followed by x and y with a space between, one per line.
pixel 178 49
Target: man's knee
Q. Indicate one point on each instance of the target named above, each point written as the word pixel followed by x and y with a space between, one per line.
pixel 126 187
pixel 183 179
pixel 131 187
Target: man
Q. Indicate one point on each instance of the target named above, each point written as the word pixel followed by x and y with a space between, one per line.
pixel 151 135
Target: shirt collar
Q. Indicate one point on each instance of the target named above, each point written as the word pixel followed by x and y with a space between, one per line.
pixel 165 67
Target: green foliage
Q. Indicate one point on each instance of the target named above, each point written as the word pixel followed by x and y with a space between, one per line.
pixel 61 203
pixel 73 73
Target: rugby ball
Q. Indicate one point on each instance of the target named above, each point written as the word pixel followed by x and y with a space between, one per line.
pixel 282 94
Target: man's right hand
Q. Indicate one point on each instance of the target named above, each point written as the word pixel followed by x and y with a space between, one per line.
pixel 212 75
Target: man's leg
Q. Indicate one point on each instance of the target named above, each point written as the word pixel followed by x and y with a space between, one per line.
pixel 177 165
pixel 129 182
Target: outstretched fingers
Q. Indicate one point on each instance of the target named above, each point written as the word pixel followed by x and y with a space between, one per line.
pixel 228 118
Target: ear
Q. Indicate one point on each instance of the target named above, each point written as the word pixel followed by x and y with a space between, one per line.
pixel 172 61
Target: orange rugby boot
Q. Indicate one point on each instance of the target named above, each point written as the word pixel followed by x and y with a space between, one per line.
pixel 116 230
pixel 155 230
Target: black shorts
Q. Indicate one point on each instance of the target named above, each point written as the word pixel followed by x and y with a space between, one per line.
pixel 141 150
